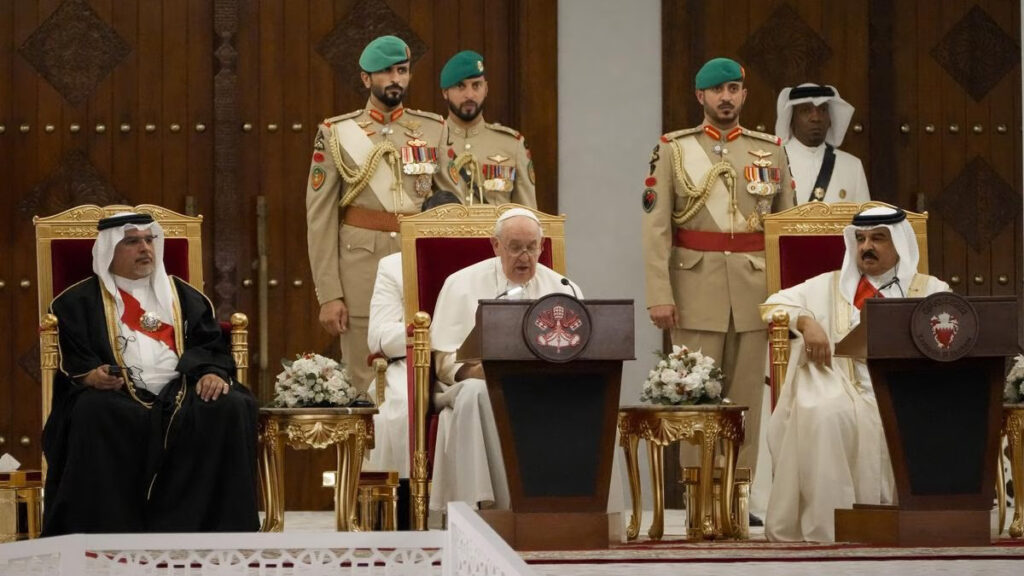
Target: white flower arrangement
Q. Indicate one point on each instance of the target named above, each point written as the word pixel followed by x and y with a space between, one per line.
pixel 313 380
pixel 683 377
pixel 1013 392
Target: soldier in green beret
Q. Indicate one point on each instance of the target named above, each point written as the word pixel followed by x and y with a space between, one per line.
pixel 704 197
pixel 368 166
pixel 483 162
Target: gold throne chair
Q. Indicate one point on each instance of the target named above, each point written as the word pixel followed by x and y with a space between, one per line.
pixel 64 257
pixel 805 241
pixel 435 244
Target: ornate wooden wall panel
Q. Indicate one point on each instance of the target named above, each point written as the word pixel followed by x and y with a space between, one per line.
pixel 936 86
pixel 8 287
pixel 100 104
pixel 210 106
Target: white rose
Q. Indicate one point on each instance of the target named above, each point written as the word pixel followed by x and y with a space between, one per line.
pixel 713 388
pixel 692 382
pixel 669 376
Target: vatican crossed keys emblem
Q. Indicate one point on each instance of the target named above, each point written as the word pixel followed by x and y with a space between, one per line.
pixel 558 327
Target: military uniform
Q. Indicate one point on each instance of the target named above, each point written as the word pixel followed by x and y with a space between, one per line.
pixel 484 162
pixel 351 214
pixel 488 160
pixel 704 249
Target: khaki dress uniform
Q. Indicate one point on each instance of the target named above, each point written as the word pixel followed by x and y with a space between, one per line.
pixel 704 250
pixel 352 207
pixel 487 159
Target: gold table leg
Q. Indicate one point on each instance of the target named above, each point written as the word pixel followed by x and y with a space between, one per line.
pixel 1014 431
pixel 272 478
pixel 1000 486
pixel 346 486
pixel 707 481
pixel 728 528
pixel 630 443
pixel 657 456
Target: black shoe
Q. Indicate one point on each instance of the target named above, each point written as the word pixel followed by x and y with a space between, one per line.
pixel 755 521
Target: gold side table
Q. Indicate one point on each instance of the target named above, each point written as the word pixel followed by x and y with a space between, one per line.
pixel 1013 430
pixel 703 425
pixel 349 430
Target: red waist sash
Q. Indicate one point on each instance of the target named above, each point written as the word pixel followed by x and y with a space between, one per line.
pixel 719 241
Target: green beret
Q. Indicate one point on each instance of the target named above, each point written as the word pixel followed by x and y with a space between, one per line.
pixel 718 71
pixel 465 64
pixel 382 53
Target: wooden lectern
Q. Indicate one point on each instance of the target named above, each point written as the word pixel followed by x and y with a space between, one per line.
pixel 554 366
pixel 937 367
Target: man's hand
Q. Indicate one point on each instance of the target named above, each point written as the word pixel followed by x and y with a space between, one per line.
pixel 334 316
pixel 211 386
pixel 663 316
pixel 816 342
pixel 470 370
pixel 101 379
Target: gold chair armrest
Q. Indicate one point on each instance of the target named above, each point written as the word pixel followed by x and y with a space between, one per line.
pixel 778 339
pixel 380 369
pixel 421 390
pixel 49 360
pixel 240 346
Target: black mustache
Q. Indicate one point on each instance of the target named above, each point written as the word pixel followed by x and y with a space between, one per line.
pixel 869 253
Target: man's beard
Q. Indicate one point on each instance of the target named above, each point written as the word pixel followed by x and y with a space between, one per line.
pixel 466 116
pixel 716 115
pixel 387 99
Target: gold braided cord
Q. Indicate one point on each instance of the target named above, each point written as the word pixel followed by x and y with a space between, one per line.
pixel 476 178
pixel 358 178
pixel 697 195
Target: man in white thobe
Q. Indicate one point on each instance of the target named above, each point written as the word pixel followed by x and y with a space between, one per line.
pixel 812 122
pixel 386 336
pixel 467 464
pixel 826 440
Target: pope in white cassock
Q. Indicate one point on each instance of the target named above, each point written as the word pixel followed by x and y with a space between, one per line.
pixel 812 122
pixel 468 466
pixel 826 440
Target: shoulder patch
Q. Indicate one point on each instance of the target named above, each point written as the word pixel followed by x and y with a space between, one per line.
pixel 341 117
pixel 423 114
pixel 680 133
pixel 762 136
pixel 499 128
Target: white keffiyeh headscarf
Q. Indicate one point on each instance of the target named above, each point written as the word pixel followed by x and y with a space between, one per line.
pixel 902 239
pixel 840 112
pixel 103 255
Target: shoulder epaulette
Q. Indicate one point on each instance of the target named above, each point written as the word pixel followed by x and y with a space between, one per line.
pixel 424 114
pixel 762 136
pixel 336 119
pixel 499 128
pixel 680 133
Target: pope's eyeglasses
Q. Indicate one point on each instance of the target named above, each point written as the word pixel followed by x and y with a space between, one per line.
pixel 516 251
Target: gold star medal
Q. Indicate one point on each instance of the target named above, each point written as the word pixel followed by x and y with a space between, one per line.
pixel 150 322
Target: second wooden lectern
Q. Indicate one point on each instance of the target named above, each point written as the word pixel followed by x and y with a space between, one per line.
pixel 554 367
pixel 937 366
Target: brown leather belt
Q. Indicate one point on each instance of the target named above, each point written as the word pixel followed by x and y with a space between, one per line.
pixel 371 219
pixel 720 241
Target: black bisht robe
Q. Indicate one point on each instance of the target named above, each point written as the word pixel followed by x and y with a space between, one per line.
pixel 117 466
